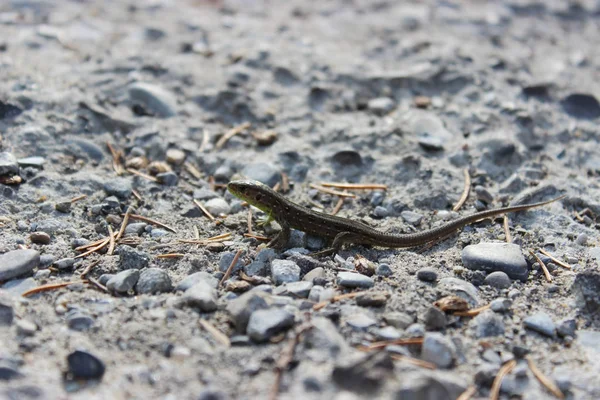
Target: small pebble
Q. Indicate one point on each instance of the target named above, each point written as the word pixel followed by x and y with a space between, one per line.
pixel 384 270
pixel 264 324
pixel 372 299
pixel 175 156
pixel 65 263
pixel 18 263
pixel 40 238
pixel 498 280
pixel 500 304
pixel 299 290
pixel 438 349
pixel 491 257
pixel 582 239
pixel 541 323
pixel 63 207
pixel 412 218
pixel 79 321
pixel 26 327
pixel 488 324
pixel 153 280
pixel 84 365
pixel 124 281
pixel 360 322
pixel 434 319
pixel 283 271
pixel 354 280
pixel 427 274
pixel 201 296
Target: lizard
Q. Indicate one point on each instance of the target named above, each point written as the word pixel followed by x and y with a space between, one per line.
pixel 339 230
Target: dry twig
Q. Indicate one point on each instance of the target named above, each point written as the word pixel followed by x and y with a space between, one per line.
pixel 143 175
pixel 471 313
pixel 506 230
pixel 286 358
pixel 230 268
pixel 152 221
pixel 333 192
pixel 414 361
pixel 504 370
pixel 124 223
pixel 111 241
pixel 51 286
pixel 80 197
pixel 465 193
pixel 355 186
pixel 544 380
pixel 467 394
pixel 556 260
pixel 204 210
pixel 338 206
pixel 171 255
pixel 217 334
pixel 231 133
pixel 543 266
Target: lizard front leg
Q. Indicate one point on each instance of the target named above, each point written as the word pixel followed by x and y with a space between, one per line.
pixel 282 238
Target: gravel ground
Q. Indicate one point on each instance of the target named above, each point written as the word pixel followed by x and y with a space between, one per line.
pixel 146 108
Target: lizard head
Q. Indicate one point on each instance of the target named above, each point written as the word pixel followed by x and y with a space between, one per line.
pixel 254 193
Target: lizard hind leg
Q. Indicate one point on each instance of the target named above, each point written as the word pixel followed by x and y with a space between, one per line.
pixel 340 239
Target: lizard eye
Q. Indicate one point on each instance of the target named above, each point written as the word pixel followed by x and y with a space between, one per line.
pixel 258 196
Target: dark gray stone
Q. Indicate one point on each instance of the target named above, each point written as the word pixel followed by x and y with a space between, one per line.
pixel 65 263
pixel 284 271
pixel 491 257
pixel 18 263
pixel 264 324
pixel 586 288
pixel 488 324
pixel 241 308
pixel 201 296
pixel 196 277
pixel 129 258
pixel 498 280
pixel 567 327
pixel 84 365
pixel 124 281
pixel 430 385
pixel 136 228
pixel 463 289
pixel 8 164
pixel 261 264
pixel 541 323
pixel 19 286
pixel 384 270
pixel 354 280
pixel 119 187
pixel 77 145
pixel 153 280
pixel 298 290
pixel 168 178
pixel 500 304
pixel 360 321
pixel 262 172
pixel 411 217
pixel 79 321
pixel 217 206
pixel 434 319
pixel 154 99
pixel 7 312
pixel 427 274
pixel 438 349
